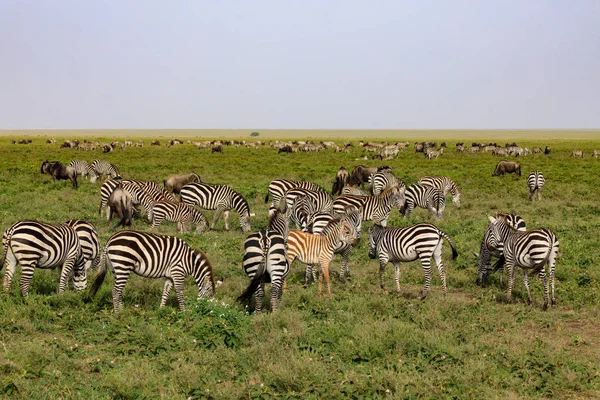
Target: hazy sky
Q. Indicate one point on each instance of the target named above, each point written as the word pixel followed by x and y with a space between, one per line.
pixel 299 64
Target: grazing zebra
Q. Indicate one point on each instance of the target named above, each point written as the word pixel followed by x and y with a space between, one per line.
pixel 302 210
pixel 151 189
pixel 217 197
pixel 265 260
pixel 313 249
pixel 320 199
pixel 84 169
pixel 577 153
pixel 374 208
pixel 154 256
pixel 490 247
pixel 445 184
pixel 183 214
pixel 279 187
pixel 535 182
pixel 40 245
pixel 596 153
pixel 102 168
pixel 140 197
pixel 279 222
pixel 89 242
pixel 428 197
pixel 353 216
pixel 530 250
pixel 382 180
pixel 354 191
pixel 420 241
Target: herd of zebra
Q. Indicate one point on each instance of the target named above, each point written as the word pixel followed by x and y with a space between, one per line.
pixel 324 226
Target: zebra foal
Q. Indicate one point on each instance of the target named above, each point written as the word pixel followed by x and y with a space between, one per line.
pixel 265 261
pixel 420 241
pixel 154 256
pixel 34 245
pixel 535 182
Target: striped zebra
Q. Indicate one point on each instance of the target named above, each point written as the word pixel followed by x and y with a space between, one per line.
pixel 420 241
pixel 445 184
pixel 40 245
pixel 530 250
pixel 318 249
pixel 217 197
pixel 265 261
pixel 279 187
pixel 154 256
pixel 374 208
pixel 320 199
pixel 354 191
pixel 302 210
pixel 152 190
pixel 428 197
pixel 279 222
pixel 351 215
pixel 382 180
pixel 84 169
pixel 102 168
pixel 491 248
pixel 183 214
pixel 535 182
pixel 89 242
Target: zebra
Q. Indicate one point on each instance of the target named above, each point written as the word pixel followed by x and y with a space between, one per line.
pixel 490 247
pixel 151 190
pixel 535 182
pixel 320 199
pixel 279 222
pixel 530 250
pixel 313 249
pixel 420 241
pixel 36 244
pixel 88 240
pixel 354 191
pixel 140 197
pixel 382 180
pixel 279 187
pixel 445 184
pixel 154 256
pixel 102 168
pixel 301 211
pixel 84 169
pixel 428 197
pixel 265 260
pixel 218 197
pixel 183 214
pixel 351 215
pixel 374 208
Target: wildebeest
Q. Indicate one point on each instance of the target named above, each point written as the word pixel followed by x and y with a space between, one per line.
pixel 120 203
pixel 360 175
pixel 155 143
pixel 59 171
pixel 285 149
pixel 577 153
pixel 507 167
pixel 217 149
pixel 174 183
pixel 547 150
pixel 341 180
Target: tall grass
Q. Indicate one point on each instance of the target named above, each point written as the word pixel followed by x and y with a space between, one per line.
pixel 361 343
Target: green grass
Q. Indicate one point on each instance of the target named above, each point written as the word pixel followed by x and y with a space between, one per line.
pixel 361 343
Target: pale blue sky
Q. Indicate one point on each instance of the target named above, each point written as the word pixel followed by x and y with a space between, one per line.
pixel 73 64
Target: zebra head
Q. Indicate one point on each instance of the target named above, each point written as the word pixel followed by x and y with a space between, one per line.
pixel 245 222
pixel 354 216
pixel 203 275
pixel 375 234
pixel 456 199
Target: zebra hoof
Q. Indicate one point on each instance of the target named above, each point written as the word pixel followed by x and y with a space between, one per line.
pixel 545 307
pixel 553 302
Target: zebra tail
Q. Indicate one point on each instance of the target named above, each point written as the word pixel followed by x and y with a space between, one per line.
pixel 101 274
pixel 454 252
pixel 537 268
pixel 259 278
pixel 267 197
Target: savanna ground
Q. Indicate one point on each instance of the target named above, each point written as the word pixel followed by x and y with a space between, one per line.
pixel 361 343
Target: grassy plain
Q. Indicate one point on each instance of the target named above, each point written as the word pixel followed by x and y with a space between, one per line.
pixel 361 343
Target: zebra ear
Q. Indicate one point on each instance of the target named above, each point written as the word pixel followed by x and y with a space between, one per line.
pixel 492 219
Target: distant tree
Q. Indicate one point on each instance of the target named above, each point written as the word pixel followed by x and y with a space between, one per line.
pixel 254 134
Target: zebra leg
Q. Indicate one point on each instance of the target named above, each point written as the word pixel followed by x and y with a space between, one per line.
pixel 166 291
pixel 218 213
pixel 531 194
pixel 510 277
pixel 526 283
pixel 437 257
pixel 226 218
pixel 546 291
pixel 309 272
pixel 117 293
pixel 426 263
pixel 325 274
pixel 345 270
pixel 397 276
pixel 26 276
pixel 540 194
pixel 259 295
pixel 11 266
pixel 551 269
pixel 382 263
pixel 275 292
pixel 65 273
pixel 178 282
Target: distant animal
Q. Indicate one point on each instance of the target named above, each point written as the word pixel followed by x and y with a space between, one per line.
pixel 154 256
pixel 103 168
pixel 537 150
pixel 59 171
pixel 265 261
pixel 577 153
pixel 341 180
pixel 82 168
pixel 507 167
pixel 547 150
pixel 174 183
pixel 285 149
pixel 421 241
pixel 155 143
pixel 535 182
pixel 596 153
pixel 217 149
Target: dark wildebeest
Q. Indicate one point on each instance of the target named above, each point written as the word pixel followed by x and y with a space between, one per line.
pixel 155 143
pixel 507 167
pixel 285 149
pixel 217 149
pixel 174 183
pixel 341 180
pixel 58 171
pixel 547 150
pixel 360 175
pixel 120 203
